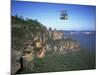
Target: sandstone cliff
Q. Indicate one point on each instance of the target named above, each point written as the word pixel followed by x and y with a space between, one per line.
pixel 31 41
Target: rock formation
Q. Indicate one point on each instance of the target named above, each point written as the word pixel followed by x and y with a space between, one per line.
pixel 31 41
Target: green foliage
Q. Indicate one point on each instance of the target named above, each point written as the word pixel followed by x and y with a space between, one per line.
pixel 23 29
pixel 65 62
pixel 69 62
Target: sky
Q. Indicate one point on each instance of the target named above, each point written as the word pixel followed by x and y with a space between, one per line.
pixel 80 17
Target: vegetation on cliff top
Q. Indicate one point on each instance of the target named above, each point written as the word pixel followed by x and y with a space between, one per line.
pixel 24 29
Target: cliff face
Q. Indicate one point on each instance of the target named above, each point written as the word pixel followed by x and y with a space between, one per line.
pixel 56 35
pixel 31 40
pixel 28 39
pixel 57 44
pixel 63 46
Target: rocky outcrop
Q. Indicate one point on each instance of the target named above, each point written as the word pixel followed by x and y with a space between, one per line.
pixel 28 42
pixel 63 46
pixel 55 35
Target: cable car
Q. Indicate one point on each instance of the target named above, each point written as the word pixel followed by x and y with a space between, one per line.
pixel 64 15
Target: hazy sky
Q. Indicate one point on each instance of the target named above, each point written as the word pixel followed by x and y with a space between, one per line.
pixel 79 17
